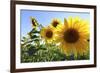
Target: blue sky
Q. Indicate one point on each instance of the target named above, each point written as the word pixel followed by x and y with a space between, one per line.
pixel 45 17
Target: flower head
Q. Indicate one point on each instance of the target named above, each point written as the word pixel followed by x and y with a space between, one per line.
pixel 73 36
pixel 55 22
pixel 34 22
pixel 48 34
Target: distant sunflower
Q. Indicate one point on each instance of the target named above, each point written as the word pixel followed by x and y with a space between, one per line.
pixel 55 22
pixel 73 36
pixel 48 34
pixel 34 22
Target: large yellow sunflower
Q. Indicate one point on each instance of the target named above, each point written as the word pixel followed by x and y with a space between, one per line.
pixel 73 36
pixel 48 34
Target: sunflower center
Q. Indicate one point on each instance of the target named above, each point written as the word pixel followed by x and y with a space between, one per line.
pixel 71 36
pixel 55 23
pixel 33 22
pixel 49 34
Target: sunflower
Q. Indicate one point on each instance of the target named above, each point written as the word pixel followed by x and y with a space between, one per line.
pixel 48 34
pixel 34 22
pixel 73 36
pixel 55 22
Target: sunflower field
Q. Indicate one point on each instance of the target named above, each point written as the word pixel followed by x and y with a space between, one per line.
pixel 59 41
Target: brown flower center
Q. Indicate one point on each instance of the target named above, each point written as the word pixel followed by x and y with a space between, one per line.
pixel 55 23
pixel 71 35
pixel 49 34
pixel 33 22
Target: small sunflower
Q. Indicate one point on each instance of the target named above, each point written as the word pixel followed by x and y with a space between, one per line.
pixel 48 34
pixel 55 22
pixel 73 36
pixel 34 22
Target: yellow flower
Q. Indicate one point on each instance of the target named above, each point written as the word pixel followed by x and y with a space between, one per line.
pixel 48 34
pixel 34 22
pixel 55 22
pixel 73 36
